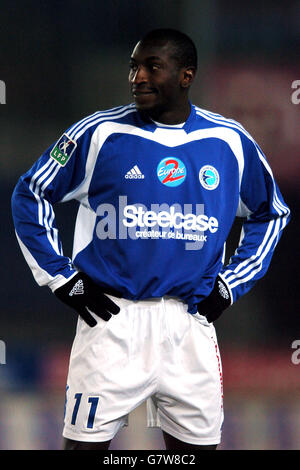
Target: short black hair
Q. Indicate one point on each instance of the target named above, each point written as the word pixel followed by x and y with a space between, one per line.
pixel 185 52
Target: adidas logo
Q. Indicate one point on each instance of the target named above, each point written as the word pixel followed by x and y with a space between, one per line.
pixel 77 288
pixel 222 290
pixel 134 173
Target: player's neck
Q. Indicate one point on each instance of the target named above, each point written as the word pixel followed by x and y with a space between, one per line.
pixel 171 116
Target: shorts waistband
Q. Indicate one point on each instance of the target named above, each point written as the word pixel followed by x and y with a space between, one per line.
pixel 122 302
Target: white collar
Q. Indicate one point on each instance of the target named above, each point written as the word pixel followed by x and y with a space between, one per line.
pixel 172 126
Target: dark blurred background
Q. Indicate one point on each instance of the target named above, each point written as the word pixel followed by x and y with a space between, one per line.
pixel 61 61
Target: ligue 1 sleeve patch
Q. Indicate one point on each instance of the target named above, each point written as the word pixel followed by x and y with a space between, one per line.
pixel 63 149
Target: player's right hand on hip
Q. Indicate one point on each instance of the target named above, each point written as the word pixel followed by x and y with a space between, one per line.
pixel 85 296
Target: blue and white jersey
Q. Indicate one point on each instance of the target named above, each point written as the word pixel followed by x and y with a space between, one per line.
pixel 156 205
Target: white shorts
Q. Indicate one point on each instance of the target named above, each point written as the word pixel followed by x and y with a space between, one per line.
pixel 152 350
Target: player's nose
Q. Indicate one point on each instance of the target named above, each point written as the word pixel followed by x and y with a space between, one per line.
pixel 139 75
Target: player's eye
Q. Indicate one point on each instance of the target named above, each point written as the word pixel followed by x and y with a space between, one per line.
pixel 154 67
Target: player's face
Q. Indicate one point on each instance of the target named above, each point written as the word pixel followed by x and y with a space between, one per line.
pixel 155 79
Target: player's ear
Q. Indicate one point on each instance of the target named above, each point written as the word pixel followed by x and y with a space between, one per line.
pixel 187 76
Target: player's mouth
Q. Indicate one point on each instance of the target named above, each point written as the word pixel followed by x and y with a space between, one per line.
pixel 145 98
pixel 143 93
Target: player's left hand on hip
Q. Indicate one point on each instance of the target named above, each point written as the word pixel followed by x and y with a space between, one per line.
pixel 217 301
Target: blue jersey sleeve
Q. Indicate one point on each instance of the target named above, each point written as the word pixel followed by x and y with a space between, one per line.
pixel 53 178
pixel 266 214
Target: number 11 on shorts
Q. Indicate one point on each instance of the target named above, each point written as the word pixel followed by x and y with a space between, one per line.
pixel 91 417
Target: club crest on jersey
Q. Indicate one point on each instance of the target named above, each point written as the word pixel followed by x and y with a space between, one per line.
pixel 209 177
pixel 63 149
pixel 171 171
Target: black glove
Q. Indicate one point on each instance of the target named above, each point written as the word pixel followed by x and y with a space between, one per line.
pixel 217 301
pixel 84 295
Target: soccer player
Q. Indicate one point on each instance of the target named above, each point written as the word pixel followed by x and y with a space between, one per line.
pixel 159 183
